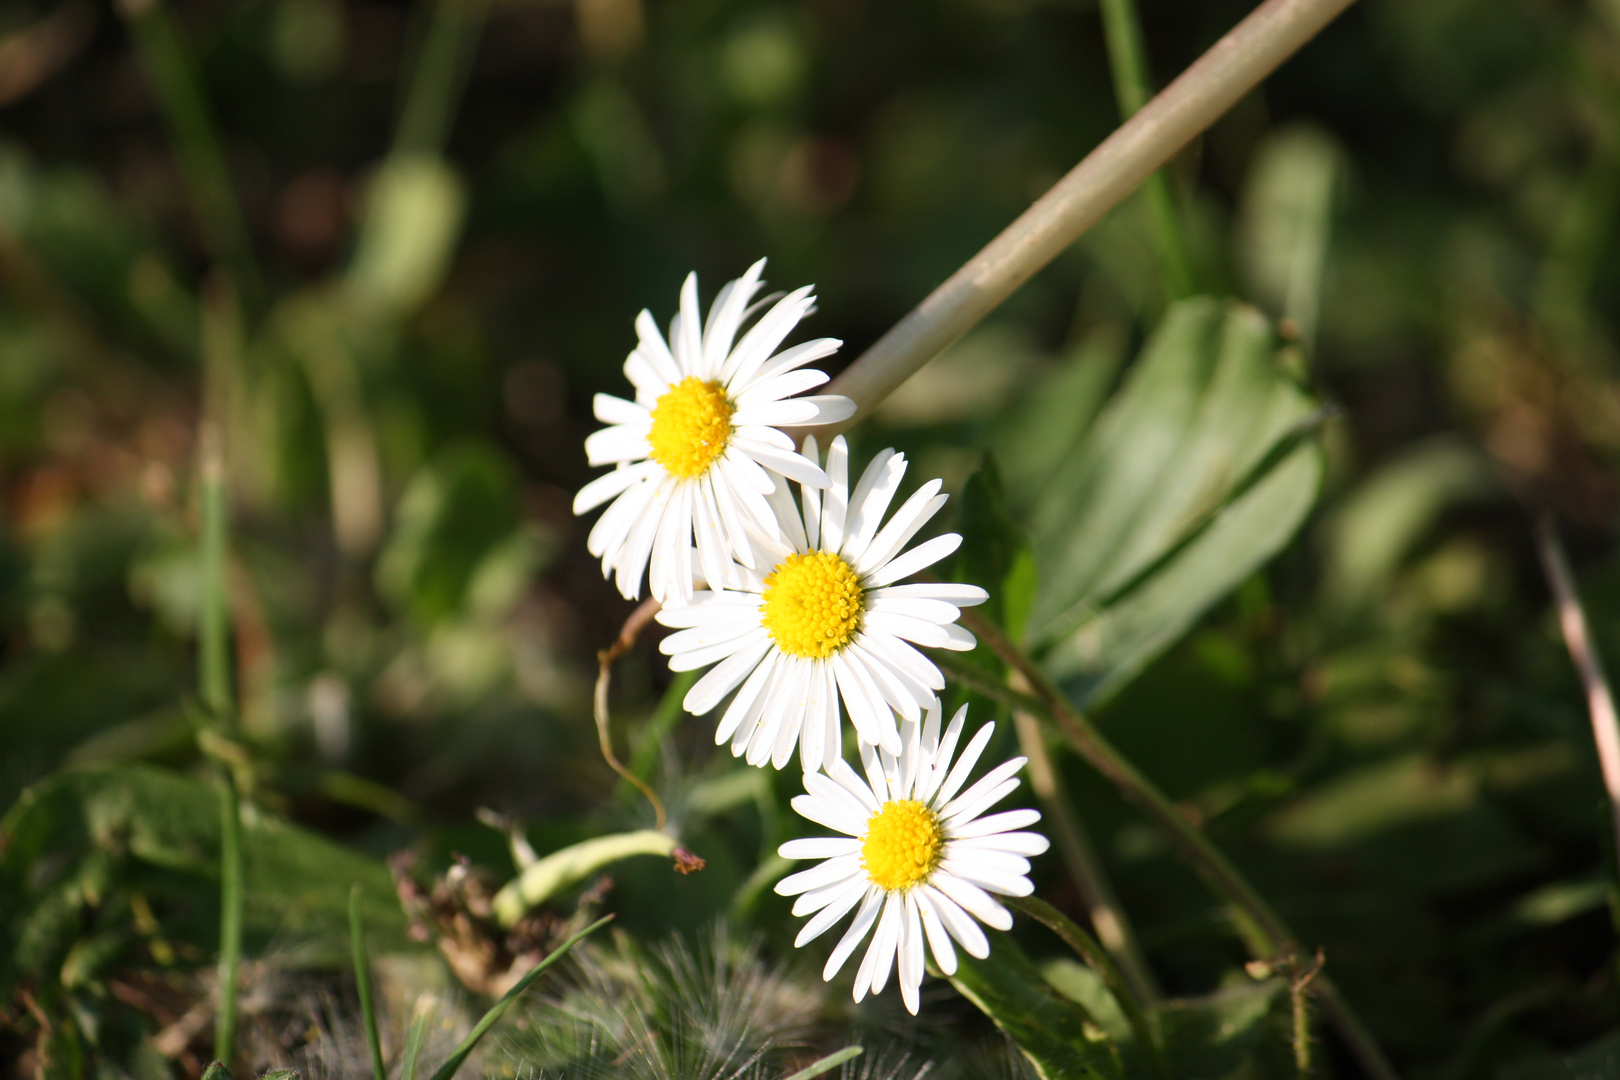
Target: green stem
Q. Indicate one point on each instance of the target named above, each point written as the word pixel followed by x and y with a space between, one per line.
pixel 454 1062
pixel 230 918
pixel 1127 59
pixel 362 982
pixel 214 687
pixel 441 72
pixel 1097 958
pixel 196 142
pixel 1262 929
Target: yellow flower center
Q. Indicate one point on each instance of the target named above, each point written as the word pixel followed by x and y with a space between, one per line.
pixel 691 422
pixel 902 845
pixel 812 604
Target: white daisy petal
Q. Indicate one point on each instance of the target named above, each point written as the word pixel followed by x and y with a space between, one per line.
pixel 752 644
pixel 934 611
pixel 654 350
pixel 983 800
pixel 819 847
pixel 874 970
pixel 788 359
pixel 816 877
pixel 999 823
pixel 763 337
pixel 958 922
pixel 808 903
pixel 960 595
pixel 864 918
pixel 927 634
pixel 738 656
pixel 616 410
pixel 974 900
pixel 830 815
pixel 835 909
pixel 637 549
pixel 622 442
pixel 611 484
pixel 909 957
pixel 830 408
pixel 918 558
pixel 991 780
pixel 746 698
pixel 904 658
pixel 870 500
pixel 835 504
pixel 964 765
pixel 907 521
pixel 939 941
pixel 986 878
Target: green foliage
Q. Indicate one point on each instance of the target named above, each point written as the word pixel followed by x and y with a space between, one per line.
pixel 1058 1036
pixel 1194 475
pixel 78 848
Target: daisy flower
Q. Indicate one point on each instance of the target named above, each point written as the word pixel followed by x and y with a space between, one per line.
pixel 817 616
pixel 916 859
pixel 691 452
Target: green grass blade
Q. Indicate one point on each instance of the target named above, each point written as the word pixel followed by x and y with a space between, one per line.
pixel 457 1059
pixel 414 1035
pixel 362 980
pixel 828 1063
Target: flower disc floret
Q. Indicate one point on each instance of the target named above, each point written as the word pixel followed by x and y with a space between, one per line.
pixel 690 425
pixel 903 844
pixel 812 604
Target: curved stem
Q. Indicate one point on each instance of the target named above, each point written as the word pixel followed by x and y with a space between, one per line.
pixel 1180 113
pixel 1264 931
pixel 633 626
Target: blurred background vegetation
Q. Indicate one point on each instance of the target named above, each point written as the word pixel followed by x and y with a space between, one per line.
pixel 399 248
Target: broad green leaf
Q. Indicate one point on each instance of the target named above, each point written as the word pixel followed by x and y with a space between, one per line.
pixel 77 843
pixel 1212 1037
pixel 1055 1033
pixel 1196 473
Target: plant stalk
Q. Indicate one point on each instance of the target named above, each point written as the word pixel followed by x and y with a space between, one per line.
pixel 196 141
pixel 214 688
pixel 1578 639
pixel 1127 60
pixel 1214 83
pixel 1263 930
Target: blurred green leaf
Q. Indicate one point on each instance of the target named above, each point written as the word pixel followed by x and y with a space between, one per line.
pixel 1287 222
pixel 995 550
pixel 1377 524
pixel 1054 1032
pixel 1173 456
pixel 1044 426
pixel 413 213
pixel 76 842
pixel 456 541
pixel 1212 1037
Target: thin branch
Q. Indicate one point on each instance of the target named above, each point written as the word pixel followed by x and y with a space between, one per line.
pixel 1180 113
pixel 633 626
pixel 1262 928
pixel 1578 638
